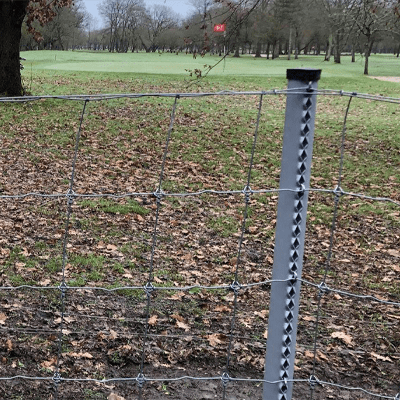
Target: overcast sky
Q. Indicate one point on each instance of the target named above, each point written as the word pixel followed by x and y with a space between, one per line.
pixel 181 7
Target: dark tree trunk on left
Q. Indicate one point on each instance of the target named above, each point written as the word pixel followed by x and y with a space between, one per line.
pixel 12 13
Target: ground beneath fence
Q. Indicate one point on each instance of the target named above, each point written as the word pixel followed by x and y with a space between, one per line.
pixel 197 332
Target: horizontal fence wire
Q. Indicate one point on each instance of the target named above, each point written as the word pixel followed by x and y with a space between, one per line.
pixel 300 90
pixel 149 288
pixel 194 194
pixel 322 287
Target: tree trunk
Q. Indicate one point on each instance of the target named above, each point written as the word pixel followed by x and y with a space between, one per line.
pixel 353 53
pixel 275 49
pixel 12 14
pixel 258 49
pixel 336 56
pixel 268 49
pixel 318 49
pixel 237 44
pixel 368 49
pixel 289 53
pixel 329 49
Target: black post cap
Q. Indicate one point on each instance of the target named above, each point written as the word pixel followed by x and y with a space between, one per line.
pixel 303 74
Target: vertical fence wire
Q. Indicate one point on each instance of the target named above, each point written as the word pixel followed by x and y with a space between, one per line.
pixel 63 285
pixel 149 288
pixel 322 287
pixel 235 286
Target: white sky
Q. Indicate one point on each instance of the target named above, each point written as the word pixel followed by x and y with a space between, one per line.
pixel 181 7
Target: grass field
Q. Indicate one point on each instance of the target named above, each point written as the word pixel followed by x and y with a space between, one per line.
pixel 110 240
pixel 246 70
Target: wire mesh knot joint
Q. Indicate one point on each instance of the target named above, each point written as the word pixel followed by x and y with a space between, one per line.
pixel 397 397
pixel 159 194
pixel 235 286
pixel 310 89
pixel 313 381
pixel 301 189
pixel 71 196
pixel 225 378
pixel 323 288
pixel 63 288
pixel 338 191
pixel 149 288
pixel 57 378
pixel 141 380
pixel 247 191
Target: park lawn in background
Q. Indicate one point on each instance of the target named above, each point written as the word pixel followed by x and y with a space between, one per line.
pixel 178 64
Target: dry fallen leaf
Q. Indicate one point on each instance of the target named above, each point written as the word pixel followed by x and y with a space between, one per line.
pixel 262 314
pixel 3 318
pixel 377 356
pixel 153 320
pixel 394 253
pixel 309 354
pixel 50 364
pixel 178 296
pixel 182 325
pixel 222 308
pixel 233 261
pixel 216 338
pixel 80 355
pixel 67 320
pixel 177 317
pixel 113 335
pixel 114 396
pixel 341 335
pixel 322 356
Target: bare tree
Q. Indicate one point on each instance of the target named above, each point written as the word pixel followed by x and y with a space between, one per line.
pixel 122 19
pixel 66 28
pixel 159 19
pixel 374 18
pixel 340 23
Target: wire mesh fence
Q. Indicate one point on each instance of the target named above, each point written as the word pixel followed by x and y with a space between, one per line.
pixel 137 250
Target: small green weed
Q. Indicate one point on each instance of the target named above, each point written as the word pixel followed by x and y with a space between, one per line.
pixel 224 226
pixel 114 207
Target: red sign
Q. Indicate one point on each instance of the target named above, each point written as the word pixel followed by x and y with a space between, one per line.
pixel 219 28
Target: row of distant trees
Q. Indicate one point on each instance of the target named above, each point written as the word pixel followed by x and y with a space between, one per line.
pixel 272 27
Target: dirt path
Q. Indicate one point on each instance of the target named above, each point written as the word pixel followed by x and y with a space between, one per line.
pixel 387 78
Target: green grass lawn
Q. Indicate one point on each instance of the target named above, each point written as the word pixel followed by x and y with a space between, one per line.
pixel 248 71
pixel 167 63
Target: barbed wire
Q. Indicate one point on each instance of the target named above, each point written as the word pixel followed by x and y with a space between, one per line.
pixel 159 194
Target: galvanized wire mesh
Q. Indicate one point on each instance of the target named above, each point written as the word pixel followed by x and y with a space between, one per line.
pixel 149 289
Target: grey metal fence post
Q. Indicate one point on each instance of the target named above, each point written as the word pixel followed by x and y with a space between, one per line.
pixel 290 229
